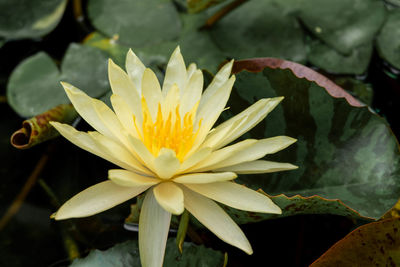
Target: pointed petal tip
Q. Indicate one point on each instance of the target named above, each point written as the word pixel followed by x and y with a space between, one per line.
pixel 53 215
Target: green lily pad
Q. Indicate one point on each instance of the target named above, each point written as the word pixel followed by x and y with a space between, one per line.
pixel 388 41
pixel 127 254
pixel 343 152
pixel 137 23
pixel 195 6
pixel 29 18
pixel 374 244
pixel 34 88
pixel 328 59
pixel 259 28
pixel 342 24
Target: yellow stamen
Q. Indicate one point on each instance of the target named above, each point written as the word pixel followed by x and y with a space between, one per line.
pixel 174 133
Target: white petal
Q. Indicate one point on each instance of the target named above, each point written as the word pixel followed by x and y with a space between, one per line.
pixel 191 69
pixel 192 92
pixel 97 198
pixel 121 85
pixel 166 164
pixel 151 91
pixel 135 68
pixel 252 115
pixel 258 166
pixel 220 78
pixel 236 196
pixel 105 148
pixel 256 151
pixel 222 154
pixel 170 197
pixel 203 178
pixel 175 72
pixel 170 102
pixel 125 115
pixel 195 158
pixel 127 178
pixel 216 220
pixel 153 231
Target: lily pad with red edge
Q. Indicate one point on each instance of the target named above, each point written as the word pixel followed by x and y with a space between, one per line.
pixel 344 152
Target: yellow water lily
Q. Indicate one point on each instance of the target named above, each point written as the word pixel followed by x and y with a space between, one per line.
pixel 163 141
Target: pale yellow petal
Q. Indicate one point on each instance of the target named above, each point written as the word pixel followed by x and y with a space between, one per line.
pixel 125 115
pixel 221 155
pixel 175 73
pixel 104 147
pixel 142 153
pixel 151 91
pixel 170 197
pixel 170 102
pixel 120 152
pixel 97 198
pixel 123 86
pixel 258 166
pixel 135 68
pixel 128 178
pixel 216 220
pixel 192 92
pixel 256 151
pixel 195 158
pixel 153 231
pixel 219 80
pixel 236 196
pixel 252 115
pixel 191 69
pixel 203 178
pixel 166 164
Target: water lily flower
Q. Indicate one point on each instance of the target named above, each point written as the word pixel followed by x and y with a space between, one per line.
pixel 163 140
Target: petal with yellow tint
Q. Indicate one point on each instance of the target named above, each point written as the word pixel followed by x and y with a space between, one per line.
pixel 203 178
pixel 258 166
pixel 170 197
pixel 215 219
pixel 120 152
pixel 192 93
pixel 236 196
pixel 253 114
pixel 97 198
pixel 192 68
pixel 175 73
pixel 256 151
pixel 122 85
pixel 195 158
pixel 135 68
pixel 125 115
pixel 128 178
pixel 170 102
pixel 154 224
pixel 219 80
pixel 151 91
pixel 166 164
pixel 142 153
pixel 222 154
pixel 108 150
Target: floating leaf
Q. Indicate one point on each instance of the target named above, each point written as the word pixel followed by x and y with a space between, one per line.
pixel 374 244
pixel 137 23
pixel 34 88
pixel 29 18
pixel 388 41
pixel 337 148
pixel 259 28
pixel 195 6
pixel 127 254
pixel 328 59
pixel 37 129
pixel 342 24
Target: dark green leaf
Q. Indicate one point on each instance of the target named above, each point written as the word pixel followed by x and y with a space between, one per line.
pixel 260 29
pixel 34 86
pixel 137 23
pixel 29 18
pixel 330 60
pixel 343 152
pixel 127 254
pixel 389 39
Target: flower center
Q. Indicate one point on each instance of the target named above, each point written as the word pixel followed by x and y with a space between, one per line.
pixel 173 132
